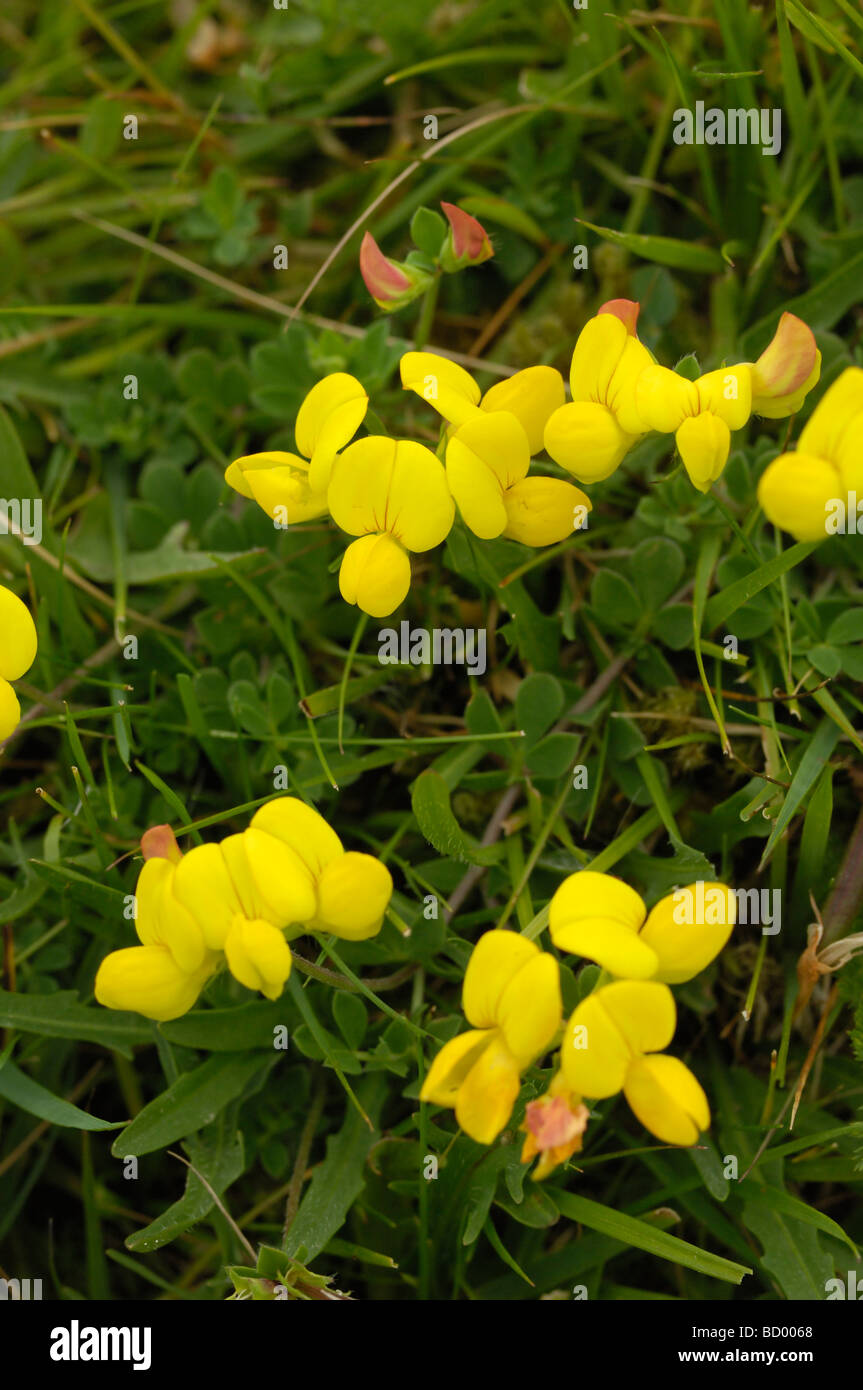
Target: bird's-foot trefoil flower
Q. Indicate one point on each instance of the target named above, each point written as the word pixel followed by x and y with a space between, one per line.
pixel 17 654
pixel 466 242
pixel 554 1127
pixel 803 491
pixel 701 414
pixel 487 462
pixel 600 917
pixel 240 902
pixel 292 488
pixel 531 395
pixel 391 284
pixel 511 996
pixel 393 495
pixel 614 1042
pixel 786 371
pixel 591 434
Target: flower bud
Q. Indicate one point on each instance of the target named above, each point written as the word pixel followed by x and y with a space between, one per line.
pixel 391 284
pixel 467 241
pixel 786 371
pixel 160 842
pixel 627 310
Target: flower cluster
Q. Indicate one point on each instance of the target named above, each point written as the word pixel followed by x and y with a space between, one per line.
pixel 17 654
pixel 238 903
pixel 396 496
pixel 616 1037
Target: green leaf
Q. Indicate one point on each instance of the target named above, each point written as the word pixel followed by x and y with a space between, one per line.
pixel 792 1252
pixel 657 567
pixel 614 600
pixel 664 250
pixel 192 1101
pixel 351 1018
pixel 339 1180
pixel 430 800
pixel 727 601
pixel 219 1158
pixel 62 1016
pixel 29 1095
pixel 778 1200
pixel 538 703
pixel 428 230
pixel 817 753
pixel 237 1029
pixel 644 1237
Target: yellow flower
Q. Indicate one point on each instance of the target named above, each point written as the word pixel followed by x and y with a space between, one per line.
pixel 148 980
pixel 610 1044
pixel 487 461
pixel 291 489
pixel 511 996
pixel 17 654
pixel 799 491
pixel 393 494
pixel 701 414
pixel 531 395
pixel 602 918
pixel 786 371
pixel 554 1125
pixel 590 435
pixel 240 901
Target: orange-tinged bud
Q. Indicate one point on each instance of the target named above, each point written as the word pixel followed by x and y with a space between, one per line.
pixel 787 369
pixel 160 842
pixel 627 310
pixel 390 283
pixel 467 242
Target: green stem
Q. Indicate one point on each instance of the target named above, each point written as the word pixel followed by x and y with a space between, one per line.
pixel 423 329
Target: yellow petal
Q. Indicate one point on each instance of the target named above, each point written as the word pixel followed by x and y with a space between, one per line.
pixel 542 511
pixel 597 352
pixel 448 388
pixel 643 1010
pixel 687 930
pixel 599 916
pixel 180 929
pixel 360 483
pixel 585 438
pixel 836 412
pixel 301 827
pixel 17 636
pixel 258 956
pixel 704 442
pixel 420 510
pixel 236 474
pixel 286 496
pixel 795 492
pixel 622 397
pixel 496 959
pixel 477 492
pixel 594 1055
pixel 203 886
pixel 328 418
pixel 252 902
pixel 353 894
pixel 488 1093
pixel 667 1099
pixel 10 710
pixel 375 574
pixel 612 1026
pixel 148 981
pixel 531 396
pixel 148 899
pixel 664 399
pixel 727 393
pixel 281 878
pixel 530 1011
pixel 452 1064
